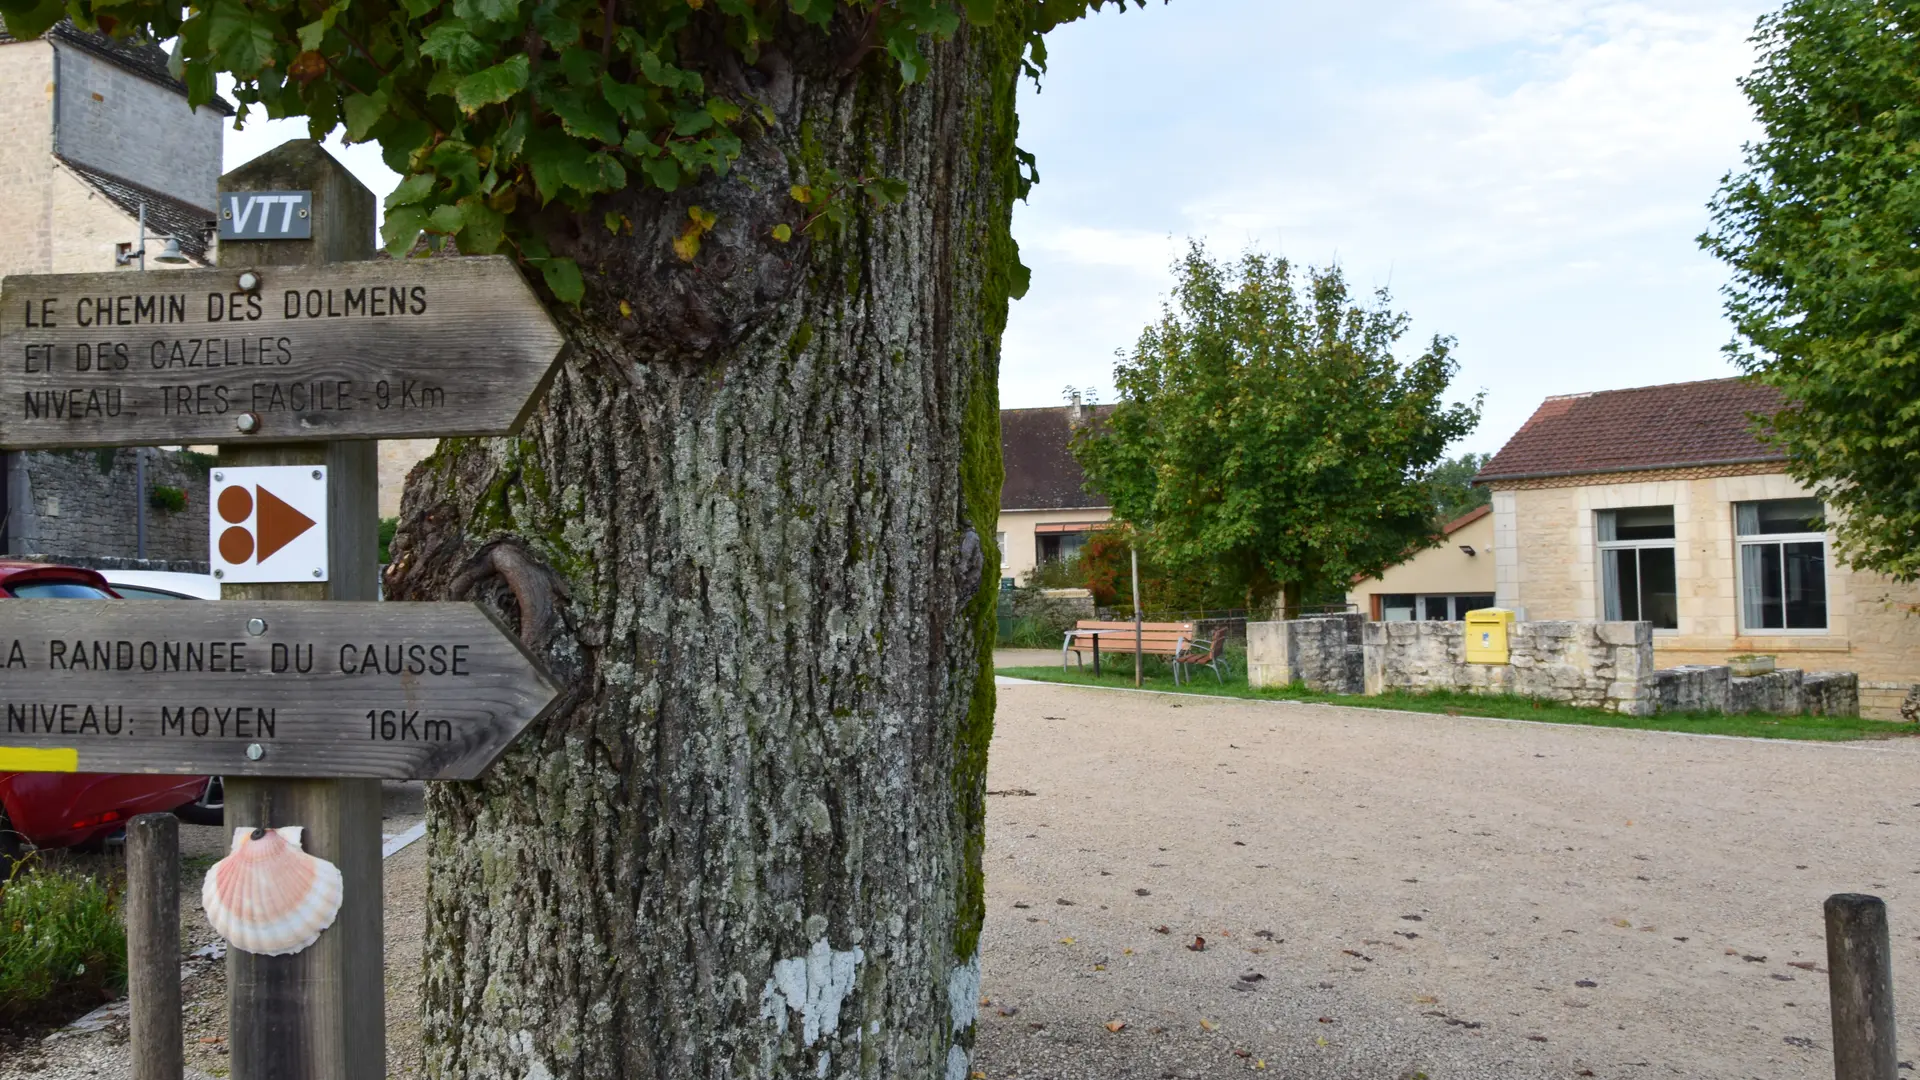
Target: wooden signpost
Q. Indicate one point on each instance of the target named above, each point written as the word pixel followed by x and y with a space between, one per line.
pixel 417 348
pixel 299 350
pixel 398 691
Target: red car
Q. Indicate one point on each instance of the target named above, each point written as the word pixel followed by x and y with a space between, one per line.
pixel 73 809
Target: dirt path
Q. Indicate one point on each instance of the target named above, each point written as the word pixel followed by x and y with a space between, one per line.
pixel 1438 890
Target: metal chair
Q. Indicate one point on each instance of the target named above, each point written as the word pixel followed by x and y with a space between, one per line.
pixel 1214 659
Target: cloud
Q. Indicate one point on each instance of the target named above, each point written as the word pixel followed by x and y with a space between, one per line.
pixel 1526 174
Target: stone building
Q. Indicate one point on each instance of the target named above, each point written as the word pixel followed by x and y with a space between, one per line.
pixel 94 130
pixel 1436 584
pixel 1661 504
pixel 1046 511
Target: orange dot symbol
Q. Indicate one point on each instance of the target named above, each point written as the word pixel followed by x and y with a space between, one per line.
pixel 235 505
pixel 236 544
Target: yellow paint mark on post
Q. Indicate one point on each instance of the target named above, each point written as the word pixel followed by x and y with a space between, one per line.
pixel 34 759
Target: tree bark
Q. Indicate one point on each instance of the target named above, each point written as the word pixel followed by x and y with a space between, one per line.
pixel 750 529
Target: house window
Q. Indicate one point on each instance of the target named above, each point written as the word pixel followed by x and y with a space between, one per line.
pixel 1637 577
pixel 1000 545
pixel 1060 547
pixel 1430 607
pixel 1783 564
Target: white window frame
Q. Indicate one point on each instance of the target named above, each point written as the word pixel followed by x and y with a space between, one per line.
pixel 1741 543
pixel 1600 561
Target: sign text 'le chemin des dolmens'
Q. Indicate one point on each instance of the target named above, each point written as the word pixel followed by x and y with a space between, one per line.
pixel 384 349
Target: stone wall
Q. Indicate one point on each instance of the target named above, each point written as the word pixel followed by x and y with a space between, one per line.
pixel 82 503
pixel 1603 665
pixel 1324 653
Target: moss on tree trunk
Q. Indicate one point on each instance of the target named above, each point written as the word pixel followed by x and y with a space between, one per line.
pixel 751 529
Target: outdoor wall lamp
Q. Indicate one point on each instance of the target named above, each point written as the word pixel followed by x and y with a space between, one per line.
pixel 1468 548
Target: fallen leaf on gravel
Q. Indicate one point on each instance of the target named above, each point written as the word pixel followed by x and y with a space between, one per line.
pixel 1199 944
pixel 1622 923
pixel 1239 843
pixel 1751 959
pixel 1161 930
pixel 1064 902
pixel 1412 918
pixel 1411 880
pixel 1020 791
pixel 1777 977
pixel 1408 934
pixel 1326 1019
pixel 978 1075
pixel 1536 1038
pixel 986 1001
pixel 1207 1025
pixel 1470 1025
pixel 1807 965
pixel 1326 986
pixel 1257 951
pixel 1259 1063
pixel 1268 934
pixel 1066 941
pixel 1239 1053
pixel 1156 1031
pixel 1584 1072
pixel 1142 892
pixel 1021 904
pixel 1010 1010
pixel 1116 1026
pixel 1732 952
pixel 1587 983
pixel 1126 952
pixel 1426 999
pixel 1099 967
pixel 1362 956
pixel 1682 939
pixel 1802 1043
pixel 1251 976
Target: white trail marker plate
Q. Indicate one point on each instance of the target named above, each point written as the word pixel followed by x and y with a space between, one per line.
pixel 268 523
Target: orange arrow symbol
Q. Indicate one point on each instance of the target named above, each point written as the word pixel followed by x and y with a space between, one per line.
pixel 277 524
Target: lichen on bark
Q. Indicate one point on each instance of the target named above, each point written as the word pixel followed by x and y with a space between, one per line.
pixel 751 531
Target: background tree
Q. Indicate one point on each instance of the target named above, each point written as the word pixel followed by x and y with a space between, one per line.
pixel 1819 231
pixel 749 528
pixel 1266 433
pixel 1451 482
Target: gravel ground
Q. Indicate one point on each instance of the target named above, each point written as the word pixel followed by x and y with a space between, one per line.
pixel 1381 895
pixel 1416 894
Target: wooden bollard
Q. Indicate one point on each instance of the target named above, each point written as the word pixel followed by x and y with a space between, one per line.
pixel 1860 985
pixel 153 946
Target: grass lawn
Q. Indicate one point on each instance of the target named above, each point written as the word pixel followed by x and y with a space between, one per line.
pixel 1119 673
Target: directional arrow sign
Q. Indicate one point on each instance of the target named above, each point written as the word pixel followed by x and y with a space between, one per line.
pixel 415 348
pixel 431 691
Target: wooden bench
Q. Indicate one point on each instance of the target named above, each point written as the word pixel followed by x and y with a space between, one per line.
pixel 1115 638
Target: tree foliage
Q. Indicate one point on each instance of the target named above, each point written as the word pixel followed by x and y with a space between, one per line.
pixel 1267 434
pixel 493 109
pixel 1452 484
pixel 1822 231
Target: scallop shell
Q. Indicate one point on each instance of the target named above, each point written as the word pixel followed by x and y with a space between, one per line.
pixel 268 896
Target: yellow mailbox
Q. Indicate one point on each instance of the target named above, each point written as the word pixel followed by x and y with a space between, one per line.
pixel 1487 635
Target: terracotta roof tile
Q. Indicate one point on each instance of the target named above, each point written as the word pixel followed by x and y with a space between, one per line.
pixel 1041 473
pixel 1648 427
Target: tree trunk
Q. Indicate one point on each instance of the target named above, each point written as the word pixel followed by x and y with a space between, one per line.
pixel 750 530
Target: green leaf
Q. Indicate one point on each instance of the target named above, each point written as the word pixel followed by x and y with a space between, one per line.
pixel 29 22
pixel 401 229
pixel 1019 278
pixel 980 12
pixel 563 277
pixel 411 190
pixel 490 86
pixel 587 118
pixel 485 228
pixel 663 171
pixel 628 99
pixel 486 11
pixel 446 218
pixel 242 41
pixel 362 112
pixel 453 44
pixel 692 122
pixel 783 232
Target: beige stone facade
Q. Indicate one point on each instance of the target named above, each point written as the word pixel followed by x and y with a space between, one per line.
pixel 1547 566
pixel 1021 539
pixel 1445 570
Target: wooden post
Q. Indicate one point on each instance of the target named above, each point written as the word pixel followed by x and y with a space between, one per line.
pixel 1134 553
pixel 318 1014
pixel 1860 985
pixel 153 946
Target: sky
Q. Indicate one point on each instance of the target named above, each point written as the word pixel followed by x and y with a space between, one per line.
pixel 1526 176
